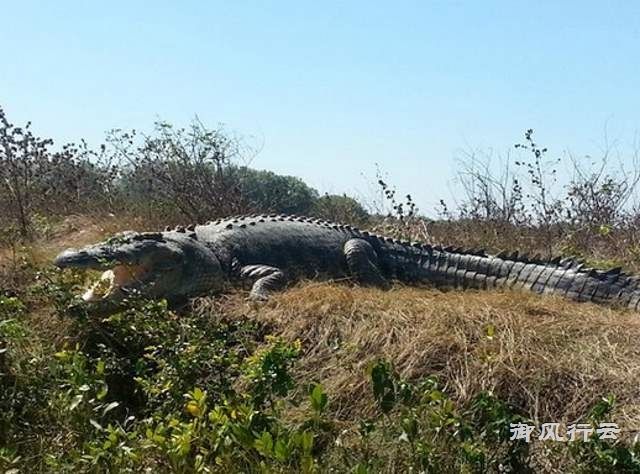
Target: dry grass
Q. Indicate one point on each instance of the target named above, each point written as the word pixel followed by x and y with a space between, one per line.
pixel 73 231
pixel 551 358
pixel 77 231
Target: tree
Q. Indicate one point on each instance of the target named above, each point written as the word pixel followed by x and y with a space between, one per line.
pixel 265 191
pixel 181 168
pixel 338 208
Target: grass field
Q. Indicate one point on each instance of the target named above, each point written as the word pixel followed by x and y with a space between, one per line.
pixel 322 377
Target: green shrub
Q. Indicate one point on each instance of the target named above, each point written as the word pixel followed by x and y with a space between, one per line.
pixel 156 389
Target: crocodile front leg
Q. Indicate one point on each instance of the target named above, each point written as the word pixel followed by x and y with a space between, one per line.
pixel 362 261
pixel 267 280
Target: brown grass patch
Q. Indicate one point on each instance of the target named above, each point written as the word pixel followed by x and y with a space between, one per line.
pixel 551 358
pixel 72 231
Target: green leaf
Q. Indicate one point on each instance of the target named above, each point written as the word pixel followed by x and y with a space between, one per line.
pixel 102 392
pixel 491 331
pixel 62 356
pixel 242 435
pixel 282 452
pixel 410 427
pixel 264 444
pixel 319 398
pixel 436 395
pixel 361 468
pixel 383 386
pixel 307 442
pixel 197 394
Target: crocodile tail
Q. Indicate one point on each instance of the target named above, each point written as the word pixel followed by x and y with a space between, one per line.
pixel 567 277
pixel 572 279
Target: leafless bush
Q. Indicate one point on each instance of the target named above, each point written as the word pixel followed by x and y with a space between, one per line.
pixel 522 204
pixel 394 214
pixel 487 195
pixel 36 181
pixel 504 194
pixel 600 196
pixel 183 169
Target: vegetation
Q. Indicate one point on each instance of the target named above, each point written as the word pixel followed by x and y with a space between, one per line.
pixel 323 377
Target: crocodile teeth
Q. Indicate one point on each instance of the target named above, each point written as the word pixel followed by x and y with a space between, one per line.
pixel 100 288
pixel 112 280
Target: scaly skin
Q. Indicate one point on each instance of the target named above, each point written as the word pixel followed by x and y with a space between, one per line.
pixel 271 251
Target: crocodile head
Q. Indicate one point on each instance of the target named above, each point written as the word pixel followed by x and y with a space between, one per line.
pixel 168 265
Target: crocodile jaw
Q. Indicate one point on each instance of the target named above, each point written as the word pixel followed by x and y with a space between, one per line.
pixel 113 280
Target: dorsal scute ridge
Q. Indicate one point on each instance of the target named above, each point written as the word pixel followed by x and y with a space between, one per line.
pixel 286 217
pixel 461 250
pixel 149 236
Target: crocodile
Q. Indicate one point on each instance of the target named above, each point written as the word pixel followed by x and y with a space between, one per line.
pixel 270 251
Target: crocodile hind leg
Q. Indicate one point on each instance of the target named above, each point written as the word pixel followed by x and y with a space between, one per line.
pixel 267 280
pixel 362 261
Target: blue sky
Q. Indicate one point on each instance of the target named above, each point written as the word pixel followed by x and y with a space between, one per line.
pixel 331 88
